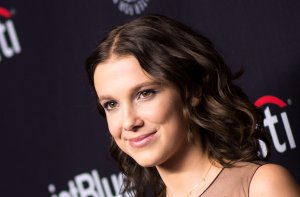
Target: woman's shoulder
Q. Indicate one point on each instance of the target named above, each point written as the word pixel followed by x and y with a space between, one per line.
pixel 273 180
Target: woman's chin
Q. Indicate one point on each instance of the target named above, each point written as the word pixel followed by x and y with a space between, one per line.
pixel 147 162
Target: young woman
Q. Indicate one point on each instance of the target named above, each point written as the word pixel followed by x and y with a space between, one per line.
pixel 179 126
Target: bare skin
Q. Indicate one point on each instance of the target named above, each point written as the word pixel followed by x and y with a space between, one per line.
pixel 272 180
pixel 136 105
pixel 191 166
pixel 145 118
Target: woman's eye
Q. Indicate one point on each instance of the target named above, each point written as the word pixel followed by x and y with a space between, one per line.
pixel 110 105
pixel 146 94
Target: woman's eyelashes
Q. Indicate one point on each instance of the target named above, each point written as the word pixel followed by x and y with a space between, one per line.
pixel 146 94
pixel 109 105
pixel 142 95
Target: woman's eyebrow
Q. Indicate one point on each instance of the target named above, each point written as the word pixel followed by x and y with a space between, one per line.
pixel 145 84
pixel 133 89
pixel 104 97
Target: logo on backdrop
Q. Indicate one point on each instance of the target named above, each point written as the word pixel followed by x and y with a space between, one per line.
pixel 131 7
pixel 91 185
pixel 284 138
pixel 9 42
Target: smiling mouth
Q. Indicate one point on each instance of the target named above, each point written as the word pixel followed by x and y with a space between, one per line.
pixel 142 140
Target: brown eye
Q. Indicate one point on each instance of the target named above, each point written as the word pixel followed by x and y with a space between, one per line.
pixel 110 105
pixel 146 94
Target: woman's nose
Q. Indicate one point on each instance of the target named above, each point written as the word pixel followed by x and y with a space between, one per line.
pixel 131 121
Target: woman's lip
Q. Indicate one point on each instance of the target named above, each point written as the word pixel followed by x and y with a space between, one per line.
pixel 142 140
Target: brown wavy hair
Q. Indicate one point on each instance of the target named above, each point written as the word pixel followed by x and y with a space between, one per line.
pixel 229 124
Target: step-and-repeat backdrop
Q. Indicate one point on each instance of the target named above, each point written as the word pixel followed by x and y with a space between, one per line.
pixel 53 141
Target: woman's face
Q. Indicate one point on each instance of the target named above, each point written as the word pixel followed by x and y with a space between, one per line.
pixel 144 117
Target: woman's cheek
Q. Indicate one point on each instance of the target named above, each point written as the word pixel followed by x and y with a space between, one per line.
pixel 154 111
pixel 146 111
pixel 114 126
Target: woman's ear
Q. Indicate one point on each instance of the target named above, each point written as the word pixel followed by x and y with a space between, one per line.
pixel 195 101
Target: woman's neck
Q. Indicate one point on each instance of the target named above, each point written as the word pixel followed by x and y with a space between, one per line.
pixel 186 170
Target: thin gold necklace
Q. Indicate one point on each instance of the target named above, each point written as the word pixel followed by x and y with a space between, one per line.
pixel 203 180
